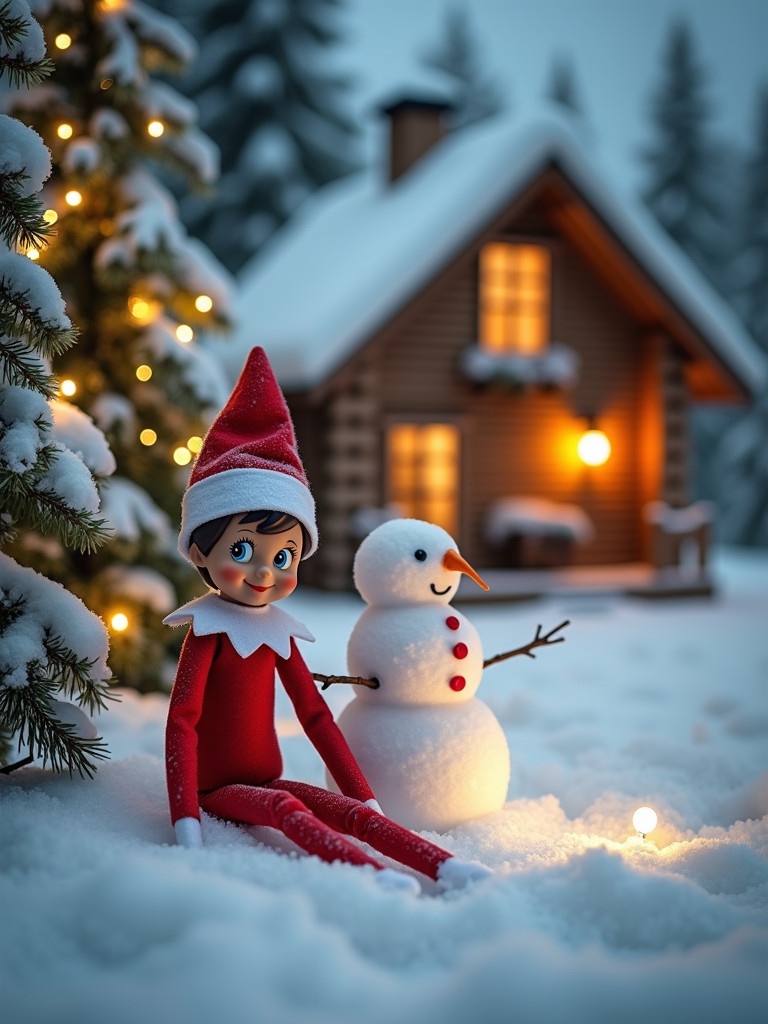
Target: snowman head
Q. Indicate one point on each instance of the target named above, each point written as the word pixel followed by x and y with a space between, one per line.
pixel 408 561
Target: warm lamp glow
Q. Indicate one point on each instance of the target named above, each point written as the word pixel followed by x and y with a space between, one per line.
pixel 203 303
pixel 142 310
pixel 67 388
pixel 594 448
pixel 65 130
pixel 144 372
pixel 184 333
pixel 32 253
pixel 73 197
pixel 645 820
pixel 155 129
pixel 148 437
pixel 50 216
pixel 194 444
pixel 182 456
pixel 63 41
pixel 119 622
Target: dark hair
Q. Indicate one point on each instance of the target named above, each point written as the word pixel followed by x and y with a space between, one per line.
pixel 267 521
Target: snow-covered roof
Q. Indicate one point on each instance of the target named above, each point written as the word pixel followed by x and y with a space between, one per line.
pixel 362 247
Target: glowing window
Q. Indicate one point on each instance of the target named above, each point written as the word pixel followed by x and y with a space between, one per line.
pixel 514 298
pixel 423 471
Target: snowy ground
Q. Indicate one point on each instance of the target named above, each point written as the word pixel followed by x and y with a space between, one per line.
pixel 103 919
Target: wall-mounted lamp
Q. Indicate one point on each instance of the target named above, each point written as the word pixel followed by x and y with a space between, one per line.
pixel 594 448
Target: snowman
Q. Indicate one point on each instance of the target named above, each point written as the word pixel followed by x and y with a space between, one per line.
pixel 433 753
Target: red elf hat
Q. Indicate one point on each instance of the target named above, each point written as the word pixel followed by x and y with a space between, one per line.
pixel 249 460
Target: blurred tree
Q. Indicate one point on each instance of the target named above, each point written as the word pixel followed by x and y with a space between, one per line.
pixel 137 288
pixel 51 646
pixel 457 55
pixel 272 96
pixel 685 167
pixel 562 88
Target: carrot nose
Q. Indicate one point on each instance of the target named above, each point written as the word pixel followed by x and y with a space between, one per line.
pixel 453 560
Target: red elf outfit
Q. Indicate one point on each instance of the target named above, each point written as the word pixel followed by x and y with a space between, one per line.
pixel 222 750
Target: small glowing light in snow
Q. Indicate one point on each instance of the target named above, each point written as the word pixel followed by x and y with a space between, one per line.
pixel 63 41
pixel 182 456
pixel 144 372
pixel 73 197
pixel 148 437
pixel 50 216
pixel 155 129
pixel 32 253
pixel 67 388
pixel 65 130
pixel 645 820
pixel 119 622
pixel 184 333
pixel 594 448
pixel 194 444
pixel 203 303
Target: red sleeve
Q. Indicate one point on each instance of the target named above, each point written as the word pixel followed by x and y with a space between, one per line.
pixel 317 721
pixel 184 711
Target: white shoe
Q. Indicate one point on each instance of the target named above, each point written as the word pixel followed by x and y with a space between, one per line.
pixel 457 874
pixel 396 881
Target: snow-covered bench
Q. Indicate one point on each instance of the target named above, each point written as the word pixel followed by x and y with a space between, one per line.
pixel 529 532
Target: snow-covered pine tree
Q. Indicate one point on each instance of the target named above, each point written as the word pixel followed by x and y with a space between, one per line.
pixel 137 287
pixel 562 88
pixel 272 95
pixel 457 55
pixel 52 649
pixel 685 166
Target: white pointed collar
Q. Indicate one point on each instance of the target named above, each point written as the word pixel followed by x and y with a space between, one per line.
pixel 247 628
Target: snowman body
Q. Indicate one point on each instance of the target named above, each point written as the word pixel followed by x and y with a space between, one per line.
pixel 433 753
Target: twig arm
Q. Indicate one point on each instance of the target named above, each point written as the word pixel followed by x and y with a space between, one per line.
pixel 372 684
pixel 539 640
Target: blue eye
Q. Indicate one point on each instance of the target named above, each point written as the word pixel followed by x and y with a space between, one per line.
pixel 283 559
pixel 241 551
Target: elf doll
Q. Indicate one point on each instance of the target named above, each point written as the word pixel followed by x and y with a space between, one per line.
pixel 248 518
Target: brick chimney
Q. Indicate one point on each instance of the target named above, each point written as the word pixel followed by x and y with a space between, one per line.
pixel 415 125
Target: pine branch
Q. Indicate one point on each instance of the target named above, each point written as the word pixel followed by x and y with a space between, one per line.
pixel 20 71
pixel 19 319
pixel 21 368
pixel 21 216
pixel 74 678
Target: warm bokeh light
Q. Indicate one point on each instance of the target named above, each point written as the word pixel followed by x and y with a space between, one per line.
pixel 68 388
pixel 155 129
pixel 182 456
pixel 106 83
pixel 144 372
pixel 73 197
pixel 184 333
pixel 63 41
pixel 645 820
pixel 32 253
pixel 203 303
pixel 594 448
pixel 142 309
pixel 65 130
pixel 50 216
pixel 195 443
pixel 119 622
pixel 148 436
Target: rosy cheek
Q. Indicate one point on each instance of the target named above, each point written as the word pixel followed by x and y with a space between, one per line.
pixel 230 574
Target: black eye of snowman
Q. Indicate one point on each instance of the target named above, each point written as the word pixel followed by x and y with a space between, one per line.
pixel 420 555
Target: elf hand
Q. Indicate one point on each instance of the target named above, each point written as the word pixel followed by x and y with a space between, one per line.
pixel 188 833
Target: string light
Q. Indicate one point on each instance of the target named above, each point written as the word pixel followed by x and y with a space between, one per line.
pixel 184 333
pixel 32 253
pixel 155 129
pixel 119 622
pixel 594 448
pixel 645 820
pixel 50 216
pixel 182 456
pixel 67 388
pixel 65 130
pixel 203 303
pixel 148 437
pixel 142 310
pixel 63 41
pixel 144 372
pixel 73 197
pixel 194 444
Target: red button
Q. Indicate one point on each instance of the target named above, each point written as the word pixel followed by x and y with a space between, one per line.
pixel 452 622
pixel 458 683
pixel 460 651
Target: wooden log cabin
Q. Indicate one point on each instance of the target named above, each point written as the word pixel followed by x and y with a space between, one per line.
pixel 446 330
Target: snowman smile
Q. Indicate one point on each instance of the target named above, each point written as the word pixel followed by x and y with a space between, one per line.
pixel 439 593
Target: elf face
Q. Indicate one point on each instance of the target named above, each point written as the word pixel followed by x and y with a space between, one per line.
pixel 252 568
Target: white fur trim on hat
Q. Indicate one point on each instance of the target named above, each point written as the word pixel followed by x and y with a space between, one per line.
pixel 246 490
